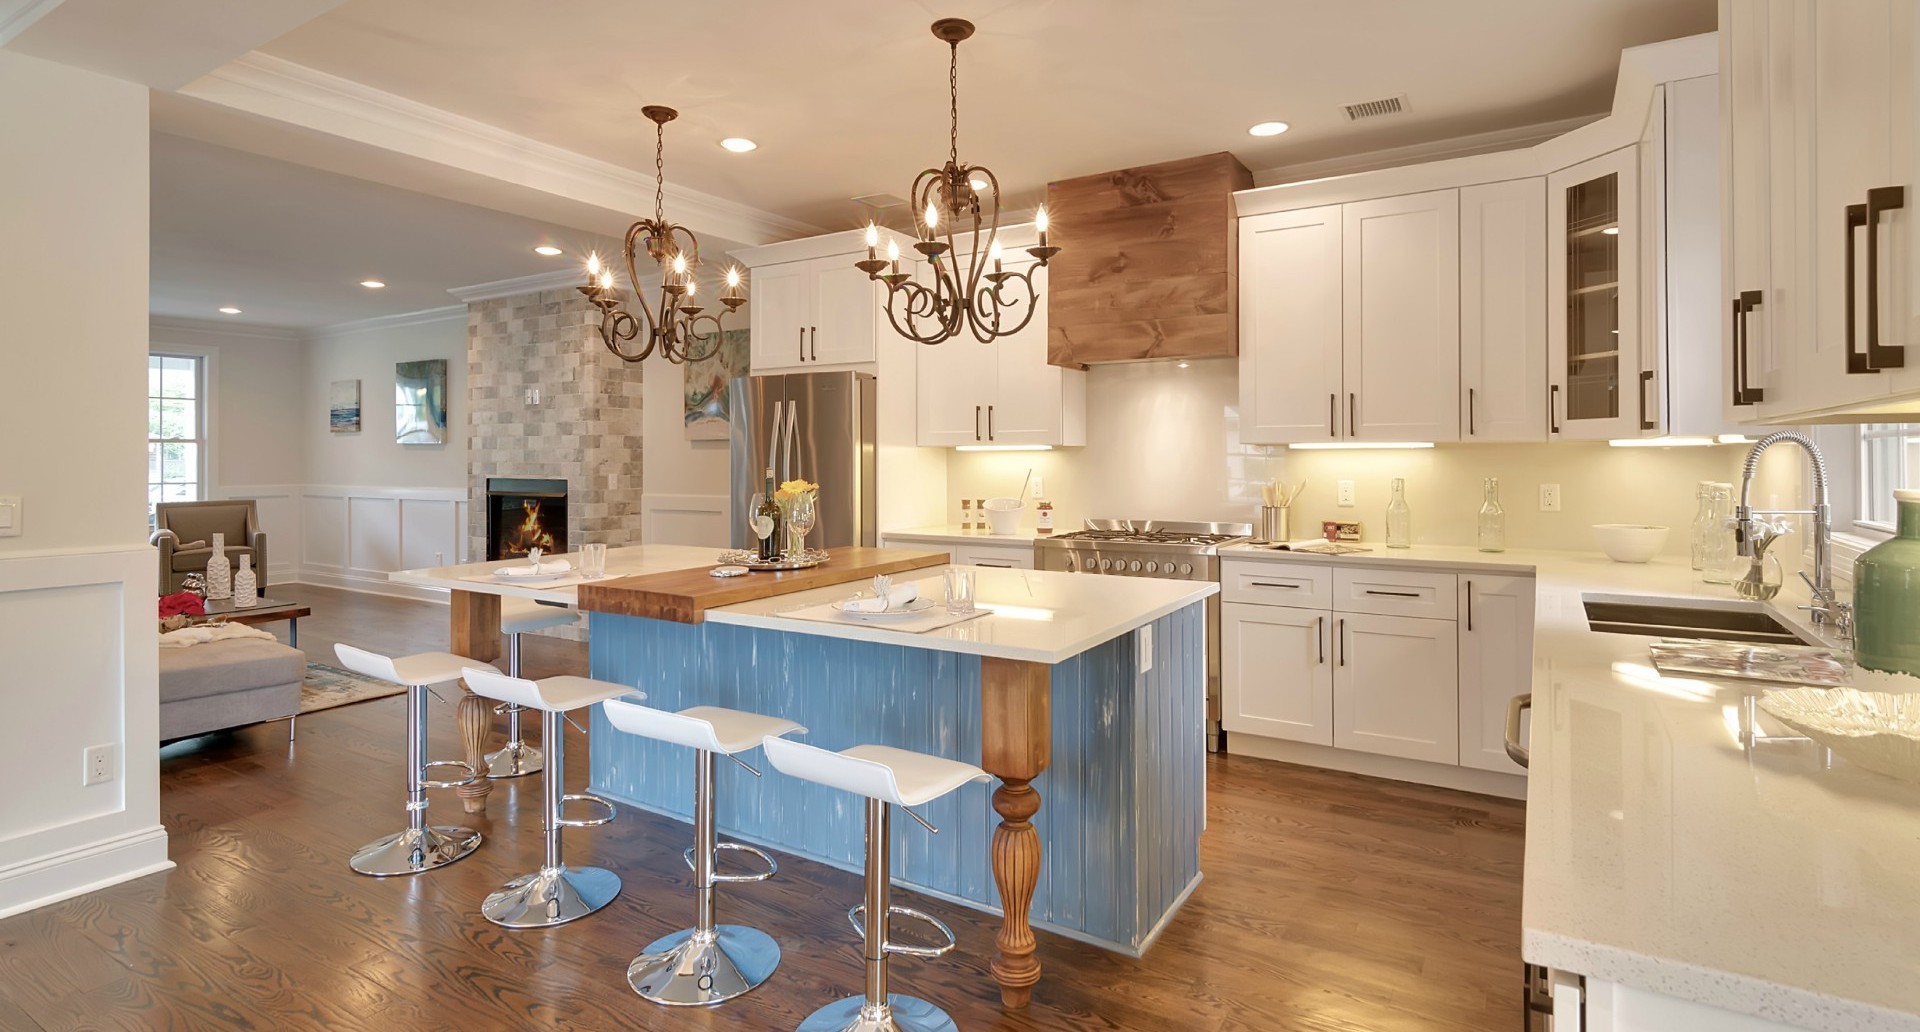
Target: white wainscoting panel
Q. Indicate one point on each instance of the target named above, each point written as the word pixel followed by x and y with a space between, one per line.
pixel 669 519
pixel 352 537
pixel 431 532
pixel 373 536
pixel 279 508
pixel 77 630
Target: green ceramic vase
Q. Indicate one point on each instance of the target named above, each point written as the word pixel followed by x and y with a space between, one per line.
pixel 1886 596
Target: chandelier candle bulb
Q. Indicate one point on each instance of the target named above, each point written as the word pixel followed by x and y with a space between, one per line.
pixel 1040 223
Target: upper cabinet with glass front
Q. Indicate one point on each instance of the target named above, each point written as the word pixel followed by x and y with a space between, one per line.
pixel 1593 324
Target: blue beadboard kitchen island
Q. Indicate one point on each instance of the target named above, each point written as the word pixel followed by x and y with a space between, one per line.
pixel 1083 696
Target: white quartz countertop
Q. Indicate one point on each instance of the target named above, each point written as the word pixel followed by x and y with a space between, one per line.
pixel 1450 557
pixel 951 534
pixel 1032 616
pixel 1665 856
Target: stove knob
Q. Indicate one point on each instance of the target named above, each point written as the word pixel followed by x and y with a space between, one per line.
pixel 1071 565
pixel 1135 566
pixel 1089 562
pixel 1106 564
pixel 1153 567
pixel 1186 569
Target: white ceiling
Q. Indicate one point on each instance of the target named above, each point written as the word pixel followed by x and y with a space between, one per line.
pixel 847 97
pixel 289 245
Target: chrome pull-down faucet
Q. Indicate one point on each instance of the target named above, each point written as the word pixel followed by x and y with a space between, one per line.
pixel 1825 604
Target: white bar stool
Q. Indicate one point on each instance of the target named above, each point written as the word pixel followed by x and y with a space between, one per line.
pixel 886 776
pixel 556 893
pixel 420 847
pixel 521 616
pixel 708 963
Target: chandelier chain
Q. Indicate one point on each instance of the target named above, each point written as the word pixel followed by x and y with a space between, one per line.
pixel 660 172
pixel 953 105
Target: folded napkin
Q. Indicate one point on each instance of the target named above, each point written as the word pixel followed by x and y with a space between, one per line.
pixel 896 598
pixel 546 569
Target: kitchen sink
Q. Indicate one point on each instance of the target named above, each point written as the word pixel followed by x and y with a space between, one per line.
pixel 1712 620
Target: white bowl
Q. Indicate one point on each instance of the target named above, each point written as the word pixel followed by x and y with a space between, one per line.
pixel 1003 515
pixel 1873 730
pixel 1629 542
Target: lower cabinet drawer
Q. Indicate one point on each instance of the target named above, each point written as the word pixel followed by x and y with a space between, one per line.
pixel 1299 585
pixel 1434 596
pixel 1004 558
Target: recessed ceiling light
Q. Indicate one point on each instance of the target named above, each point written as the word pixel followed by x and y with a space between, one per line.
pixel 229 310
pixel 1268 129
pixel 549 250
pixel 738 144
pixel 372 284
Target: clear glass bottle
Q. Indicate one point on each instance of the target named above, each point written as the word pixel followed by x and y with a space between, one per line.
pixel 1399 517
pixel 1703 526
pixel 1720 550
pixel 1493 519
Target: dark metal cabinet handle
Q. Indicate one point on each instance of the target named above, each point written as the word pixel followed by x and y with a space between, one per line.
pixel 813 343
pixel 1743 306
pixel 1469 607
pixel 1469 412
pixel 1517 705
pixel 1394 594
pixel 1340 629
pixel 1856 359
pixel 1553 408
pixel 1333 425
pixel 976 422
pixel 1880 200
pixel 997 566
pixel 1353 422
pixel 1646 377
pixel 803 343
pixel 989 422
pixel 1270 584
pixel 1319 643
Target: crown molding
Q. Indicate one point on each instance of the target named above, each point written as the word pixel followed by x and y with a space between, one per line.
pixel 444 313
pixel 1517 138
pixel 518 285
pixel 275 88
pixel 17 16
pixel 159 325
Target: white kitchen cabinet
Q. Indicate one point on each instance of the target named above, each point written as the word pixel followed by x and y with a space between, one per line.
pixel 1004 392
pixel 1290 326
pixel 1276 674
pixel 1593 282
pixel 1012 555
pixel 1496 664
pixel 1748 365
pixel 1395 686
pixel 1400 288
pixel 1503 311
pixel 816 313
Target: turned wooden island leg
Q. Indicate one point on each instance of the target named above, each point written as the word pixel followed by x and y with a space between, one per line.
pixel 1016 737
pixel 475 634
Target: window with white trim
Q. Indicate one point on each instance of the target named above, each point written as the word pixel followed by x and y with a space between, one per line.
pixel 176 429
pixel 1889 460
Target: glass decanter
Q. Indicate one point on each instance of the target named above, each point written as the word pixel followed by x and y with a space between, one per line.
pixel 1493 518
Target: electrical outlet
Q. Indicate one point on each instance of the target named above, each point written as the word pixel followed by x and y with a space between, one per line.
pixel 99 765
pixel 1549 497
pixel 1346 494
pixel 1146 648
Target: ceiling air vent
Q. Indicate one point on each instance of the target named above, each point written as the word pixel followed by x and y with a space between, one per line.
pixel 1375 108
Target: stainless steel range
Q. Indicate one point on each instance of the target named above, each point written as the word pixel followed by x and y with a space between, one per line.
pixel 1153 548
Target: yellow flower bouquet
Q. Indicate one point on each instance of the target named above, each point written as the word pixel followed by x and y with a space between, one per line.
pixel 797 500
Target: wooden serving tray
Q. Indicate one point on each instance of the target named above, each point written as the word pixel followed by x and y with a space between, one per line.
pixel 684 596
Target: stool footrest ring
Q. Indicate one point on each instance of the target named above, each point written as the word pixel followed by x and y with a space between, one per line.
pixel 582 797
pixel 856 917
pixel 739 847
pixel 425 782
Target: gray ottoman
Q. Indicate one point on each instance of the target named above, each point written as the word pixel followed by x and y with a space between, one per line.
pixel 228 683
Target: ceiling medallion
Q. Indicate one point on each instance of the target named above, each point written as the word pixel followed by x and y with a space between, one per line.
pixel 945 199
pixel 670 325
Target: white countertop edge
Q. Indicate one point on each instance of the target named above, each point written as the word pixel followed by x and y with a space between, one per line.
pixel 937 641
pixel 951 534
pixel 1712 987
pixel 1458 559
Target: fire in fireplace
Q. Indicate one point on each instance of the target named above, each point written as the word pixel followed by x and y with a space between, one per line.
pixel 523 514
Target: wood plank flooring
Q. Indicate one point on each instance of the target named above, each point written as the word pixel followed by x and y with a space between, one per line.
pixel 1332 903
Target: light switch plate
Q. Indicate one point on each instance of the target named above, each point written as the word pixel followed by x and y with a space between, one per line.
pixel 10 516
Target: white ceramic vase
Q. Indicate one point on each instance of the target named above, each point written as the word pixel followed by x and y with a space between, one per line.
pixel 219 570
pixel 245 593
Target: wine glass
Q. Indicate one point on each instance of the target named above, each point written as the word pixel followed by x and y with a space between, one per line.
pixel 761 526
pixel 801 519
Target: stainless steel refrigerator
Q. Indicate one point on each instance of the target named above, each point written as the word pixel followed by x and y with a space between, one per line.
pixel 811 426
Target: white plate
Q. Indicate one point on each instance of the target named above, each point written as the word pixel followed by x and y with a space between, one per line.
pixel 917 607
pixel 530 578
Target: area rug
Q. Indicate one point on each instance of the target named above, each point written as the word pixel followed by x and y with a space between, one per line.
pixel 329 686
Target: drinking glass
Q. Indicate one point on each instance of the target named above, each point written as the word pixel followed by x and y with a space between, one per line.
pixel 760 525
pixel 959 585
pixel 593 561
pixel 800 520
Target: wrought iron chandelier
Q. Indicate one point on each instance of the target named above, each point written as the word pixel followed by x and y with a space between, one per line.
pixel 671 325
pixel 946 199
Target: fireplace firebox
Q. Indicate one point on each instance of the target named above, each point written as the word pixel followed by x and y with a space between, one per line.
pixel 524 513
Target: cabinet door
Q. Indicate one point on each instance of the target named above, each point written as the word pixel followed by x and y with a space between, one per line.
pixel 1401 293
pixel 1276 676
pixel 1290 314
pixel 1503 311
pixel 782 309
pixel 956 384
pixel 846 313
pixel 1496 664
pixel 1034 402
pixel 1746 207
pixel 1396 686
pixel 1593 312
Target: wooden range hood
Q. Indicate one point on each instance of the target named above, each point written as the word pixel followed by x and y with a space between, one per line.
pixel 1147 266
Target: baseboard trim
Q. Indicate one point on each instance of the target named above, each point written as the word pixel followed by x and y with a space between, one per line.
pixel 49 879
pixel 368 585
pixel 1393 768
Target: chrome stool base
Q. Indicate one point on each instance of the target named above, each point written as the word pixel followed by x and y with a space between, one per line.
pixel 517 759
pixel 415 850
pixel 688 969
pixel 551 896
pixel 898 1014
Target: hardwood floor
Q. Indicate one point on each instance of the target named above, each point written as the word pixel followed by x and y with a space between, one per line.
pixel 1332 903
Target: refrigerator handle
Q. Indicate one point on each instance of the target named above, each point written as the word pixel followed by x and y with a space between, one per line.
pixel 793 429
pixel 773 437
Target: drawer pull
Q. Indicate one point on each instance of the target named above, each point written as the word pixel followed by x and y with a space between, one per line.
pixel 1270 584
pixel 1340 628
pixel 997 566
pixel 1394 594
pixel 1319 643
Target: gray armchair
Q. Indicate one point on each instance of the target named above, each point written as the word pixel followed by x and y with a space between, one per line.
pixel 195 523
